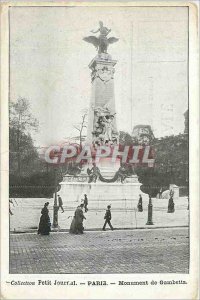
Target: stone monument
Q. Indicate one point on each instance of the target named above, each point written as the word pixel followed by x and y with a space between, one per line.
pixel 104 182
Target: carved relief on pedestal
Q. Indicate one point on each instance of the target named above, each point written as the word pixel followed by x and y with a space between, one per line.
pixel 105 73
pixel 104 130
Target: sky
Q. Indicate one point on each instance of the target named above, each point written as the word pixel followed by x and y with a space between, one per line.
pixel 49 66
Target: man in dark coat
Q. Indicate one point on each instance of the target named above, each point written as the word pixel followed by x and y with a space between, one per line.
pixel 160 193
pixel 85 202
pixel 60 203
pixel 140 208
pixel 107 218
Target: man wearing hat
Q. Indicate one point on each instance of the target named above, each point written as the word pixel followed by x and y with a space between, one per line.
pixel 107 218
pixel 85 202
pixel 60 203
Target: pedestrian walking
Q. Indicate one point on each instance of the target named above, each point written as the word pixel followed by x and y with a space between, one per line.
pixel 77 221
pixel 160 193
pixel 171 193
pixel 107 218
pixel 45 224
pixel 85 202
pixel 140 207
pixel 79 217
pixel 73 228
pixel 171 205
pixel 60 203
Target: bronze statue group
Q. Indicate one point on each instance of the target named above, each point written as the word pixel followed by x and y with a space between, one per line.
pixel 76 226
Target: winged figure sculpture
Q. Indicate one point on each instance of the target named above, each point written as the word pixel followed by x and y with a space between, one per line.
pixel 101 43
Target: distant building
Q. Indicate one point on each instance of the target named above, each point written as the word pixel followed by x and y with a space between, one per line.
pixel 186 115
pixel 75 139
pixel 142 134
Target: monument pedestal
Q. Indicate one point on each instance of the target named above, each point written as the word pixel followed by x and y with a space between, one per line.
pixel 100 194
pixel 102 103
pixel 108 182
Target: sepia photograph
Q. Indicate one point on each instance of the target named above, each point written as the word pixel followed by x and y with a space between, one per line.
pixel 99 166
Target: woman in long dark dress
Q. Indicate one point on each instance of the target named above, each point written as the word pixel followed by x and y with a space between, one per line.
pixel 73 228
pixel 45 224
pixel 140 207
pixel 77 221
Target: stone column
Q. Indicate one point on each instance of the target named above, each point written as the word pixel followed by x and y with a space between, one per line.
pixel 102 96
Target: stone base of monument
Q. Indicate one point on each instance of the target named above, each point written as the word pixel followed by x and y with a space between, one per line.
pixel 100 194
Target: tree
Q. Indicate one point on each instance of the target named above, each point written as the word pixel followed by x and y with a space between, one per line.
pixel 172 158
pixel 38 184
pixel 152 180
pixel 80 126
pixel 28 153
pixel 125 139
pixel 171 165
pixel 21 123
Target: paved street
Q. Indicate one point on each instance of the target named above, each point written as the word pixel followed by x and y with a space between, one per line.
pixel 120 251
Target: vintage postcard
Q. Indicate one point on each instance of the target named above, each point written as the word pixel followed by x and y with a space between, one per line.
pixel 99 150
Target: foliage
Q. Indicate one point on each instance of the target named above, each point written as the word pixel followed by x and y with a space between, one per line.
pixel 28 153
pixel 125 138
pixel 172 158
pixel 171 165
pixel 21 117
pixel 72 168
pixel 21 123
pixel 37 184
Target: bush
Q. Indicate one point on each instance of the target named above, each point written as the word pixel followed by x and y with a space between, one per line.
pixel 37 185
